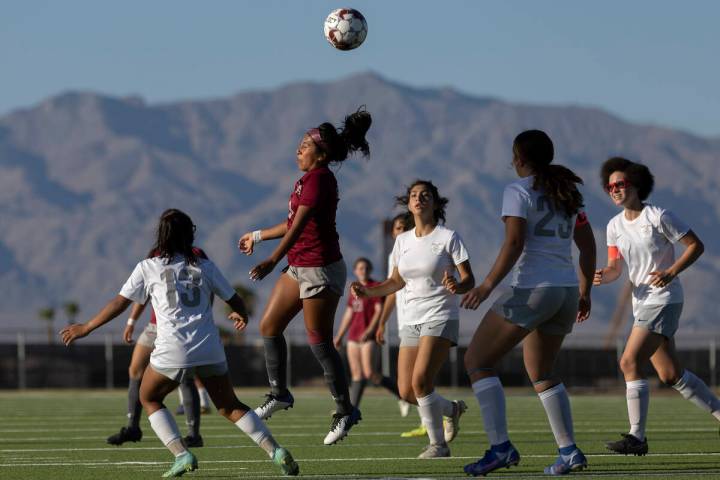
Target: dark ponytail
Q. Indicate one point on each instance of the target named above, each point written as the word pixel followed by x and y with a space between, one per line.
pixel 559 183
pixel 175 236
pixel 350 139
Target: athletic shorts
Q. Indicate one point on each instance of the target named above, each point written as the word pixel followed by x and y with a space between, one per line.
pixel 662 319
pixel 148 336
pixel 182 374
pixel 550 310
pixel 313 280
pixel 358 344
pixel 410 334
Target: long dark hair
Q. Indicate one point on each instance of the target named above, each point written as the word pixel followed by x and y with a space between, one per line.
pixel 439 202
pixel 175 236
pixel 638 174
pixel 407 219
pixel 350 138
pixel 559 183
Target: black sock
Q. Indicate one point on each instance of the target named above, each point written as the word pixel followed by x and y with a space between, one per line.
pixel 334 370
pixel 134 405
pixel 357 387
pixel 191 404
pixel 389 384
pixel 276 364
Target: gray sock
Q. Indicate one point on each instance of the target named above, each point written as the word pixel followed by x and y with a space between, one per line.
pixel 276 364
pixel 357 387
pixel 191 404
pixel 334 370
pixel 134 405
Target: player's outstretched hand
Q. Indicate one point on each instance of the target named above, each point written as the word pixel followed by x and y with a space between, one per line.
pixel 72 332
pixel 128 333
pixel 584 308
pixel 597 279
pixel 240 321
pixel 357 289
pixel 449 282
pixel 262 270
pixel 472 299
pixel 246 244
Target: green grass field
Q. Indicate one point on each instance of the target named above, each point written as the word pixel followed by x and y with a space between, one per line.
pixel 61 435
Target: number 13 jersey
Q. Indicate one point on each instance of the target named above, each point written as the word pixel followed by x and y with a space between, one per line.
pixel 181 297
pixel 546 260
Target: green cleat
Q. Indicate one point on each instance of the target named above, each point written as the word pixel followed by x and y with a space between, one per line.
pixel 285 461
pixel 184 463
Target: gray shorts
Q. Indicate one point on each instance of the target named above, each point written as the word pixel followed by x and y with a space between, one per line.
pixel 148 336
pixel 662 319
pixel 410 334
pixel 551 310
pixel 313 280
pixel 181 374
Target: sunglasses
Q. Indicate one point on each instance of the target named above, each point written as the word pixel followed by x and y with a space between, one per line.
pixel 619 185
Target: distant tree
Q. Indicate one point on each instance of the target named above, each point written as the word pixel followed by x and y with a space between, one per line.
pixel 72 309
pixel 47 315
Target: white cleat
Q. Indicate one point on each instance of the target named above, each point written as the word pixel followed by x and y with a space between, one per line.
pixel 404 408
pixel 273 404
pixel 341 425
pixel 435 451
pixel 452 425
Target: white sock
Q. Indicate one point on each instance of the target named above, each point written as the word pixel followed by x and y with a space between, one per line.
pixel 638 401
pixel 490 396
pixel 180 396
pixel 164 426
pixel 695 390
pixel 556 402
pixel 431 414
pixel 254 428
pixel 204 397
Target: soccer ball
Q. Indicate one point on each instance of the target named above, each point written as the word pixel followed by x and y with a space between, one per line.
pixel 345 28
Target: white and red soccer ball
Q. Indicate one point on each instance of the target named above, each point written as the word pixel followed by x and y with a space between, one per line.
pixel 345 28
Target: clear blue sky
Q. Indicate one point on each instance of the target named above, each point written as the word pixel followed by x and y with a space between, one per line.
pixel 652 61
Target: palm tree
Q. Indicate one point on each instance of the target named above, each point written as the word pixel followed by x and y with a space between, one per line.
pixel 47 314
pixel 72 309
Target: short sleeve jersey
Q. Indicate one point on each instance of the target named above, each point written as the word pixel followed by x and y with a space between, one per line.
pixel 197 251
pixel 180 294
pixel 399 295
pixel 646 244
pixel 363 310
pixel 422 262
pixel 546 260
pixel 319 243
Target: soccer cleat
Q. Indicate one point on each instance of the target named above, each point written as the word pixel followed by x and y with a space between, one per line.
pixel 629 445
pixel 404 408
pixel 272 404
pixel 451 426
pixel 499 456
pixel 435 451
pixel 183 463
pixel 193 441
pixel 341 425
pixel 285 461
pixel 420 431
pixel 126 434
pixel 565 464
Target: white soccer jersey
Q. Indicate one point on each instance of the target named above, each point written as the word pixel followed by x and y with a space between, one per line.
pixel 646 244
pixel 399 299
pixel 180 294
pixel 546 260
pixel 422 261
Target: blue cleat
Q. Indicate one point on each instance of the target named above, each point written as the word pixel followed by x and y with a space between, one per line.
pixel 184 463
pixel 572 461
pixel 499 456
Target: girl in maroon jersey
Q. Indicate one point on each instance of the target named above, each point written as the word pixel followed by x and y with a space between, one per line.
pixel 359 322
pixel 315 278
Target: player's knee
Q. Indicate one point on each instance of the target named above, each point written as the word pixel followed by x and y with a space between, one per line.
pixel 407 393
pixel 473 361
pixel 135 373
pixel 628 364
pixel 421 385
pixel 669 376
pixel 316 337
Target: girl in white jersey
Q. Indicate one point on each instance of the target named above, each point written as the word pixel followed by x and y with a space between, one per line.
pixel 424 262
pixel 542 215
pixel 180 285
pixel 643 236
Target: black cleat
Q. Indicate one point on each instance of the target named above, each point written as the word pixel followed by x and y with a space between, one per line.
pixel 126 434
pixel 193 441
pixel 629 445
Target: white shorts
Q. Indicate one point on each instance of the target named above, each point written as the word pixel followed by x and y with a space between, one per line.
pixel 551 310
pixel 449 329
pixel 662 319
pixel 181 374
pixel 148 336
pixel 313 280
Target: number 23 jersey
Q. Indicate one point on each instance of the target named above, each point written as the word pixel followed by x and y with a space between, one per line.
pixel 180 294
pixel 546 260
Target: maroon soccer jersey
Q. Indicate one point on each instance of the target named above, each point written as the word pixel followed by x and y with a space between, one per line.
pixel 363 310
pixel 198 252
pixel 318 244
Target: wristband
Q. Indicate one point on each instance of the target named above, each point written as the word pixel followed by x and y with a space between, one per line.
pixel 131 321
pixel 257 236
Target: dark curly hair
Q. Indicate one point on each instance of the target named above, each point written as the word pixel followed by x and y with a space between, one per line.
pixel 407 219
pixel 638 174
pixel 559 183
pixel 350 138
pixel 439 202
pixel 364 260
pixel 175 236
